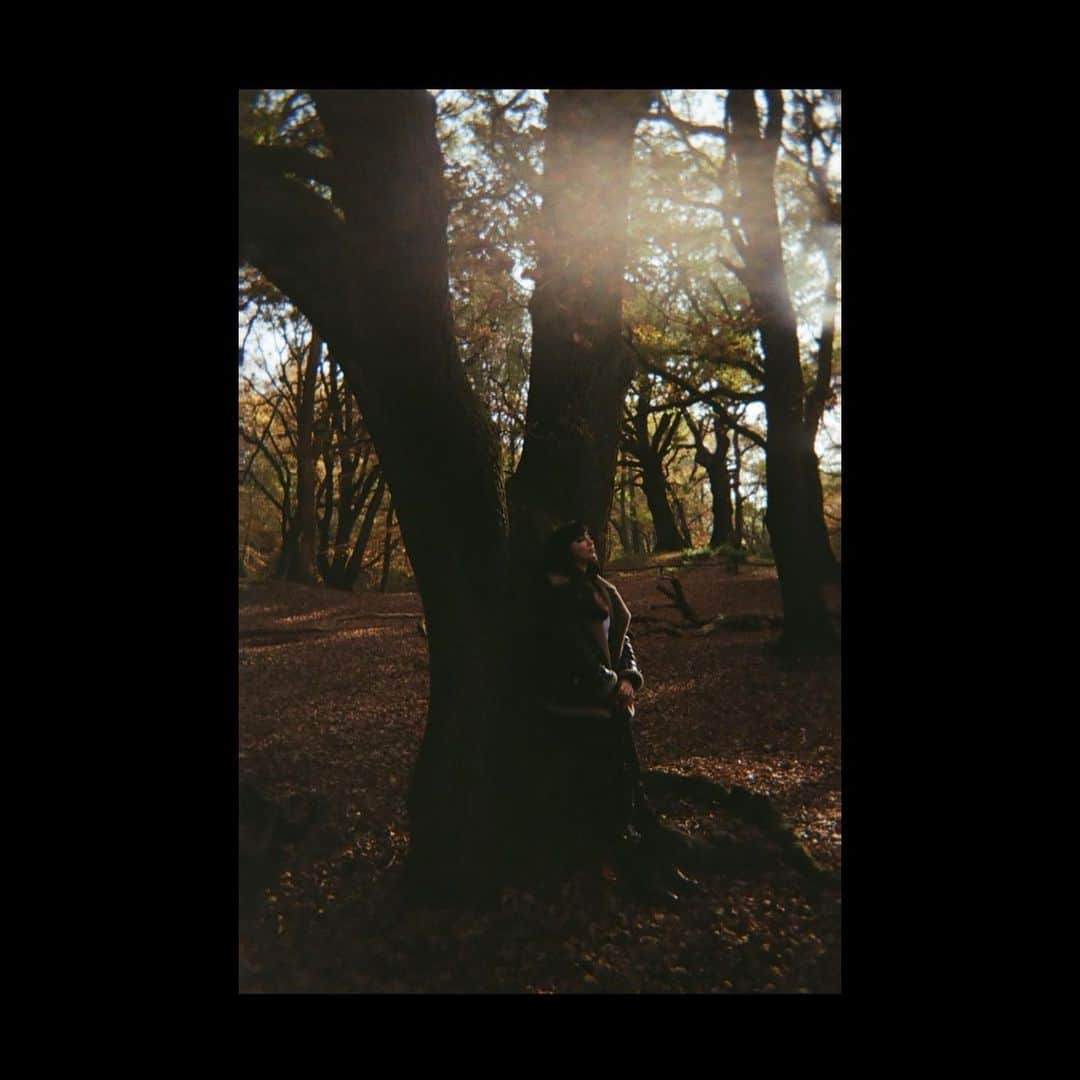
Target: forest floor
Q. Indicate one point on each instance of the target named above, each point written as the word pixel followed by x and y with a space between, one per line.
pixel 332 698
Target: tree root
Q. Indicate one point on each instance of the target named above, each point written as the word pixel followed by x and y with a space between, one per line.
pixel 750 806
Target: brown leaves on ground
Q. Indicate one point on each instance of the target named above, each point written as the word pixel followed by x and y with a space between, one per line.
pixel 330 723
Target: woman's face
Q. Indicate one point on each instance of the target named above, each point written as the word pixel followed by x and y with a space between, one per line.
pixel 583 550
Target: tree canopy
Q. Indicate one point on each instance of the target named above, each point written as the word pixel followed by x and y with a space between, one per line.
pixel 687 315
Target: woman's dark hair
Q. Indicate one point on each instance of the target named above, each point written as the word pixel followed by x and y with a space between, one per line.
pixel 585 596
pixel 557 547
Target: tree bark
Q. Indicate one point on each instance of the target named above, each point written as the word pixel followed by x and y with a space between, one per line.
pixel 794 516
pixel 579 370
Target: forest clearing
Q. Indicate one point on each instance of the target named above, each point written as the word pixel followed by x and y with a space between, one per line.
pixel 332 702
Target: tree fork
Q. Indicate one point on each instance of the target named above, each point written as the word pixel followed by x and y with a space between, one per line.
pixel 579 370
pixel 371 273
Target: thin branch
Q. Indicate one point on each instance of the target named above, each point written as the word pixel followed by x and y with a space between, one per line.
pixel 277 505
pixel 258 443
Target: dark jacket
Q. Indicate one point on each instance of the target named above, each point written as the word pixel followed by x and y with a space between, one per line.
pixel 577 674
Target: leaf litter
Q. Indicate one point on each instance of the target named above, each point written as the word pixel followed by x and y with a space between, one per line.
pixel 330 723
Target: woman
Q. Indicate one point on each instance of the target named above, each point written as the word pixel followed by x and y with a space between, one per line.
pixel 584 703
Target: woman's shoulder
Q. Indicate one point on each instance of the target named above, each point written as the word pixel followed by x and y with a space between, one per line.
pixel 617 602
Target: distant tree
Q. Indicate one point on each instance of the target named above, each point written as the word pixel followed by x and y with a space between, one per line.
pixel 353 486
pixel 299 418
pixel 287 441
pixel 744 177
pixel 715 464
pixel 649 447
pixel 795 517
pixel 388 548
pixel 300 565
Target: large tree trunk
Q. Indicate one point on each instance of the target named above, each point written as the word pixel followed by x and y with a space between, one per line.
pixel 376 286
pixel 794 517
pixel 579 370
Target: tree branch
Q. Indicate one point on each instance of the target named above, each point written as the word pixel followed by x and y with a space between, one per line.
pixel 738 271
pixel 277 505
pixel 695 395
pixel 276 161
pixel 258 443
pixel 685 129
pixel 297 241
